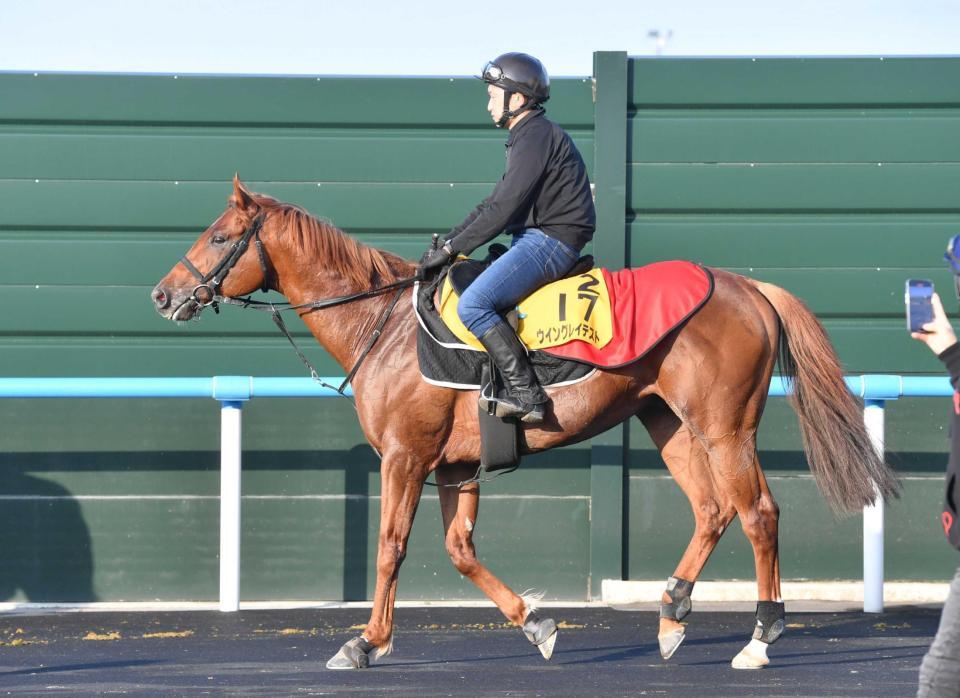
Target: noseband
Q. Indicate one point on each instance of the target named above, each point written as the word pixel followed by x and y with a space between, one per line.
pixel 211 281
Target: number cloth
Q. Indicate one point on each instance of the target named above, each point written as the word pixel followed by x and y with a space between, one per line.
pixel 573 308
pixel 602 318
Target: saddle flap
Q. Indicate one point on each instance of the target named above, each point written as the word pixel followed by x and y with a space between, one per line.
pixel 499 438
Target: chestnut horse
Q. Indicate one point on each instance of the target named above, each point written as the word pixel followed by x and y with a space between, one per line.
pixel 700 393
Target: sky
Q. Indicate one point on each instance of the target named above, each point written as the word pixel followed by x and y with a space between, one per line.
pixel 446 37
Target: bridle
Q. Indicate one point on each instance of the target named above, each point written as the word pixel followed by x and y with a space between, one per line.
pixel 211 281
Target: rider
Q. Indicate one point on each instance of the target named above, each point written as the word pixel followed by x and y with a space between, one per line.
pixel 543 200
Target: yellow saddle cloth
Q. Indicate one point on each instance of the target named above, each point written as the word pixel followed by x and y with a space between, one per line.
pixel 574 308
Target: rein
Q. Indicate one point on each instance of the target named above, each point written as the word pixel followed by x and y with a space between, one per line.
pixel 212 280
pixel 276 308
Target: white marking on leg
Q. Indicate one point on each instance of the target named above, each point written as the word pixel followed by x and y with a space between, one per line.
pixel 382 651
pixel 530 600
pixel 753 656
pixel 468 523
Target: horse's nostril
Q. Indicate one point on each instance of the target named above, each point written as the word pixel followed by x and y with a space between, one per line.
pixel 160 298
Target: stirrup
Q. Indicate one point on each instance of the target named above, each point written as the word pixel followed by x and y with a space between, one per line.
pixel 509 406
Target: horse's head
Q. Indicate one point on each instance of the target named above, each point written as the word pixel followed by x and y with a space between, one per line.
pixel 219 262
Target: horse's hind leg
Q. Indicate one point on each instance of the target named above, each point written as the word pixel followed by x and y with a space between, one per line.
pixel 736 470
pixel 759 516
pixel 459 507
pixel 712 512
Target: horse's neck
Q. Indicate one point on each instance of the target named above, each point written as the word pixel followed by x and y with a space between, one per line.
pixel 343 330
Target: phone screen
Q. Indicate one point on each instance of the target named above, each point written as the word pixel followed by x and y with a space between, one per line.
pixel 919 305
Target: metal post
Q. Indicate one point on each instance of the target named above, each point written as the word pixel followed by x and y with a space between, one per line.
pixel 608 451
pixel 873 519
pixel 230 413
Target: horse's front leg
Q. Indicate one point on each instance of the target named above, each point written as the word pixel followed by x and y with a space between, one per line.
pixel 401 486
pixel 459 507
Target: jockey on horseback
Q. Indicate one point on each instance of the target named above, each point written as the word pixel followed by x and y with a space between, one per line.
pixel 543 200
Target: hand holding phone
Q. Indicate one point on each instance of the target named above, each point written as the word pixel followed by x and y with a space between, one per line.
pixel 918 298
pixel 938 334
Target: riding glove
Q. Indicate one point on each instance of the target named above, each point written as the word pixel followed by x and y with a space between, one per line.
pixel 434 258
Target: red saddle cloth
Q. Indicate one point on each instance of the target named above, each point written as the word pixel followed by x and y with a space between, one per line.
pixel 646 305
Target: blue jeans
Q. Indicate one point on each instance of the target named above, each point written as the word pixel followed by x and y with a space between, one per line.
pixel 534 260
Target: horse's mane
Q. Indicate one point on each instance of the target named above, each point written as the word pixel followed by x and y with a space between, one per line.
pixel 324 243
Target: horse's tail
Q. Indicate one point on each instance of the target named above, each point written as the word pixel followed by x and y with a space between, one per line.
pixel 842 458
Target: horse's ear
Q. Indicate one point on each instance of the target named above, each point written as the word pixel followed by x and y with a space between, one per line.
pixel 241 199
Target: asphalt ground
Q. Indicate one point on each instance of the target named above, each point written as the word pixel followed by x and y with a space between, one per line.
pixel 455 652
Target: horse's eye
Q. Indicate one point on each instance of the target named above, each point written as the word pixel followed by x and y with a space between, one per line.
pixel 218 239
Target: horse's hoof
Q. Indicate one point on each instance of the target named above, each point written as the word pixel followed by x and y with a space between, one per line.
pixel 670 642
pixel 542 632
pixel 355 654
pixel 546 647
pixel 753 656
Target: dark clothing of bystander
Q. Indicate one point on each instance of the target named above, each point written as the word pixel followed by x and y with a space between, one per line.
pixel 940 669
pixel 950 516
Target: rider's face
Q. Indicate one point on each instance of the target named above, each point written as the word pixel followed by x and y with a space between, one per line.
pixel 495 102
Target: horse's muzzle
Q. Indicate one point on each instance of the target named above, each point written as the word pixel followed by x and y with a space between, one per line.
pixel 174 305
pixel 161 298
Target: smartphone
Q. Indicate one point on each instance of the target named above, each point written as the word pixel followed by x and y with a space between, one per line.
pixel 919 293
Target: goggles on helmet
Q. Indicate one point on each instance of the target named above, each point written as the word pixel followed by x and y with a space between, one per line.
pixel 492 72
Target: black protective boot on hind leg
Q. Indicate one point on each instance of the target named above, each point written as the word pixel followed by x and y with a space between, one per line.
pixel 524 398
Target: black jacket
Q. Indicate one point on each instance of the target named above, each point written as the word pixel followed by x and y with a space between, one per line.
pixel 545 186
pixel 951 517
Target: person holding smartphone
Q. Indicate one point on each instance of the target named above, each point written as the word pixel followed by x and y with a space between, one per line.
pixel 940 669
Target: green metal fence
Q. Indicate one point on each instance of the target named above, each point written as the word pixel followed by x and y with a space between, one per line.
pixel 836 178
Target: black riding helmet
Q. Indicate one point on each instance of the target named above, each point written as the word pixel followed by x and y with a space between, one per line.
pixel 518 72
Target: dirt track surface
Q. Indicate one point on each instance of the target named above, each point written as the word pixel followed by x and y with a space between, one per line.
pixel 454 651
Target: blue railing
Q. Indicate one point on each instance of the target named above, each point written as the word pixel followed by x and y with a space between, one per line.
pixel 870 387
pixel 232 391
pixel 218 387
pixel 883 387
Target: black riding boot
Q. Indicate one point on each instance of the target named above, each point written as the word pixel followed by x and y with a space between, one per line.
pixel 525 398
